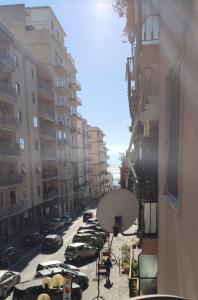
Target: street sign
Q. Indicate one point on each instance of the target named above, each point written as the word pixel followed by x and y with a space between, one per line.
pixel 67 287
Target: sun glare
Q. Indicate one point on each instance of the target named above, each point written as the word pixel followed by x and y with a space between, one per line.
pixel 102 6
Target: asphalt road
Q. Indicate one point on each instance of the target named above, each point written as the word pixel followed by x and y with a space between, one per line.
pixel 27 264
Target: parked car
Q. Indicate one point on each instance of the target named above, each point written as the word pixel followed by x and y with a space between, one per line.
pixel 55 263
pixel 32 288
pixel 67 219
pixel 8 279
pixel 87 215
pixel 59 222
pixel 78 277
pixel 9 256
pixel 90 239
pixel 102 235
pixel 46 228
pixel 32 239
pixel 87 226
pixel 52 242
pixel 78 251
pixel 92 221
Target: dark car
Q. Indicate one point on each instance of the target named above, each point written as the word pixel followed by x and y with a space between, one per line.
pixel 87 215
pixel 33 288
pixel 77 276
pixel 67 219
pixel 52 242
pixel 32 239
pixel 9 256
pixel 46 228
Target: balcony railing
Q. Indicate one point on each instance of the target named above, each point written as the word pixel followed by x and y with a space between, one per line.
pixel 49 174
pixel 6 57
pixel 45 111
pixel 10 179
pixel 7 89
pixel 61 84
pixel 48 131
pixel 13 209
pixel 45 88
pixel 75 99
pixel 10 150
pixel 51 193
pixel 8 121
pixel 75 85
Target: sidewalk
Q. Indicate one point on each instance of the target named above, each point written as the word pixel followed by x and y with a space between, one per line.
pixel 119 289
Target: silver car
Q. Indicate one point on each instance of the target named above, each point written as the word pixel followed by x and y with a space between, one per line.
pixel 8 280
pixel 78 251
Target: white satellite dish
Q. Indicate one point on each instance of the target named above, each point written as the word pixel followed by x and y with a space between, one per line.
pixel 118 203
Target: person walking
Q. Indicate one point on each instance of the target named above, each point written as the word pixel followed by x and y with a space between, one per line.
pixel 108 266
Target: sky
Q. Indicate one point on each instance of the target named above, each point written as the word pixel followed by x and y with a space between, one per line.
pixel 95 41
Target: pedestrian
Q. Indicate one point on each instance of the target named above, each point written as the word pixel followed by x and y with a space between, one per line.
pixel 108 266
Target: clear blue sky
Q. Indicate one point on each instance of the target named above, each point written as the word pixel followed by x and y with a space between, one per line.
pixel 95 41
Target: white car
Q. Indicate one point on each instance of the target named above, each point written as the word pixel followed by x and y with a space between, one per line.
pixel 78 251
pixel 55 263
pixel 8 280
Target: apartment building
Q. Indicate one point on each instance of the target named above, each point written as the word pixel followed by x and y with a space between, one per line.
pixel 97 162
pixel 38 29
pixel 20 187
pixel 171 152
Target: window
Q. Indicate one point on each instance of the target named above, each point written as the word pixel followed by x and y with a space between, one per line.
pixel 22 143
pixel 173 148
pixel 1 199
pixel 19 116
pixel 33 98
pixel 15 57
pixel 38 190
pixel 32 73
pixel 35 122
pixel 59 134
pixel 29 27
pixel 18 91
pixel 36 145
pixel 12 198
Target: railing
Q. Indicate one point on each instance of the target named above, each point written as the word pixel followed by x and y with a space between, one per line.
pixel 46 111
pixel 48 131
pixel 62 103
pixel 13 209
pixel 49 174
pixel 10 179
pixel 76 99
pixel 76 83
pixel 8 89
pixel 50 193
pixel 10 150
pixel 44 86
pixel 5 56
pixel 61 83
pixel 8 120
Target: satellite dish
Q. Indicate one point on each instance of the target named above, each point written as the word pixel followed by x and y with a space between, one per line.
pixel 118 204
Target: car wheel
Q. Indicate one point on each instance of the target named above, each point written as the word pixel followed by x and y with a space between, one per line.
pixel 82 285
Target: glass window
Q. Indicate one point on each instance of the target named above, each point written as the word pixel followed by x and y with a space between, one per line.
pixel 18 90
pixel 33 98
pixel 22 143
pixel 35 122
pixel 19 116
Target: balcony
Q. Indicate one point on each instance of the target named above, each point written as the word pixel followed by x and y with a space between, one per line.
pixel 60 68
pixel 10 179
pixel 9 151
pixel 13 209
pixel 61 87
pixel 75 100
pixel 44 90
pixel 50 194
pixel 46 113
pixel 76 114
pixel 75 85
pixel 62 104
pixel 7 92
pixel 7 64
pixel 48 154
pixel 8 122
pixel 48 133
pixel 50 174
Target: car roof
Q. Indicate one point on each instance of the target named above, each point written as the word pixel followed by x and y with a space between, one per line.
pixel 77 244
pixel 51 236
pixel 50 262
pixel 36 282
pixel 55 270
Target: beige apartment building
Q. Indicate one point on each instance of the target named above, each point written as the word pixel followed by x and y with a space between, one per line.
pixel 97 162
pixel 162 75
pixel 38 29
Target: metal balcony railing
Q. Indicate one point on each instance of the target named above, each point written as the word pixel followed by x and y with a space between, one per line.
pixel 46 111
pixel 8 89
pixel 10 179
pixel 7 57
pixel 10 150
pixel 15 208
pixel 44 87
pixel 8 121
pixel 48 131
